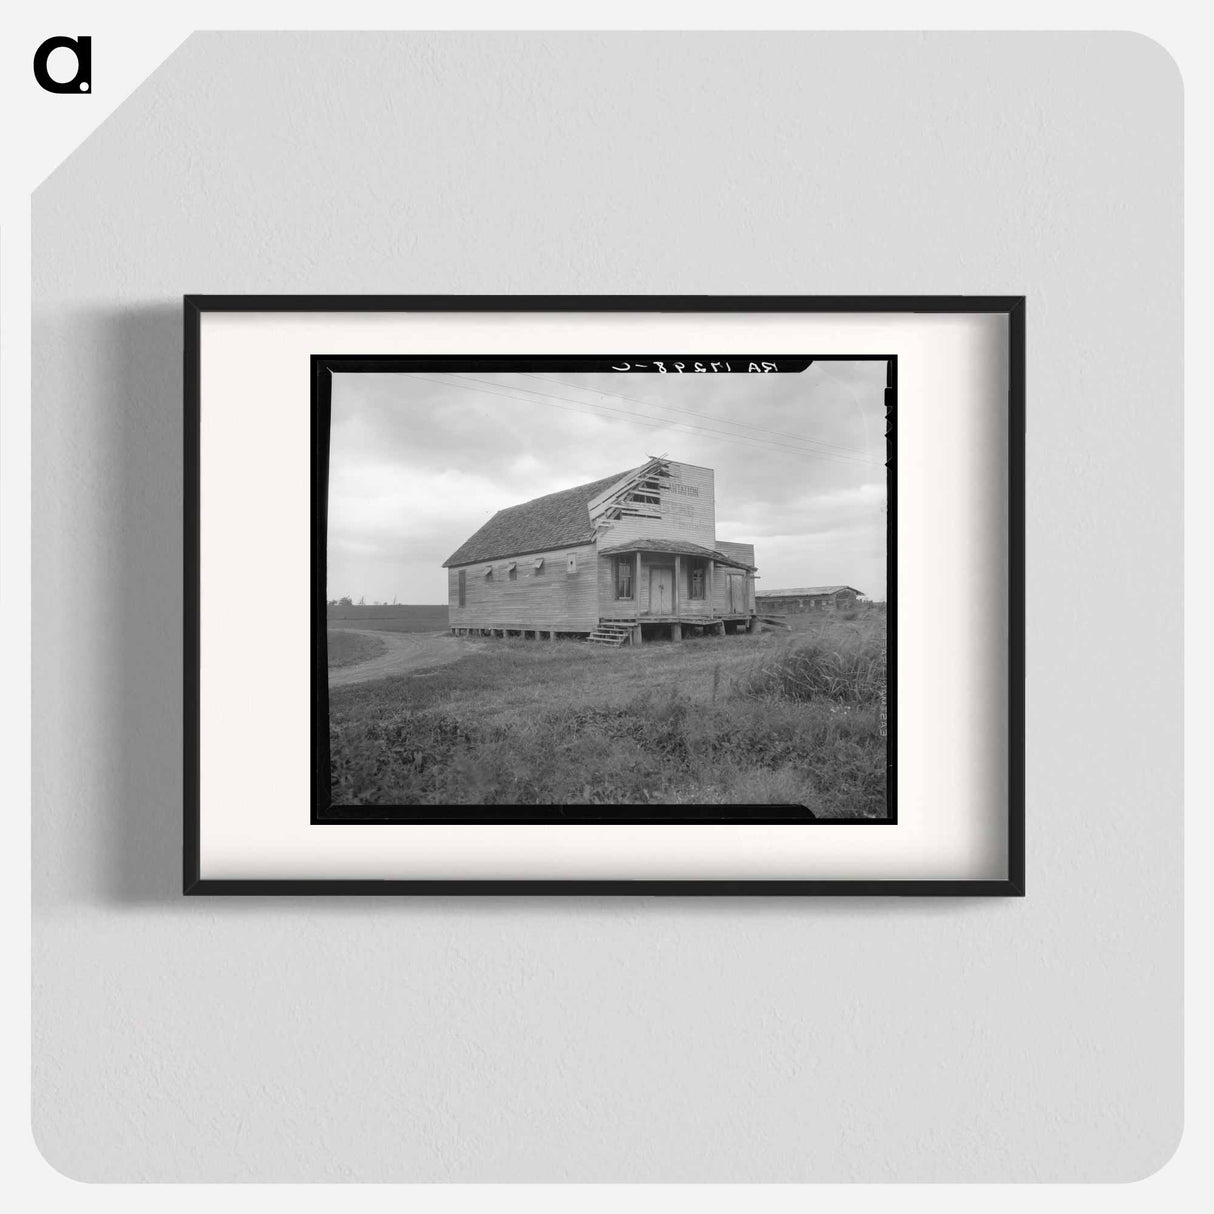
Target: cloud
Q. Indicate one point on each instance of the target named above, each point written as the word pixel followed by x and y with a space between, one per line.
pixel 419 461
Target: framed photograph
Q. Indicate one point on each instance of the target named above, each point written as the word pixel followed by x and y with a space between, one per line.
pixel 682 595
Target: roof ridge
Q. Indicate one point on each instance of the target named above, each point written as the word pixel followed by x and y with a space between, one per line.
pixel 811 589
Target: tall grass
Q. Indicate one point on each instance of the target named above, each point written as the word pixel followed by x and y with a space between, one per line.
pixel 664 750
pixel 724 722
pixel 837 659
pixel 813 671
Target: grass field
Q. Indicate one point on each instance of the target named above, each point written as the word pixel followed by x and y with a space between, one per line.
pixel 781 718
pixel 397 618
pixel 346 648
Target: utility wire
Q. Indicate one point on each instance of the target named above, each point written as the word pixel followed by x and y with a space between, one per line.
pixel 639 418
pixel 628 413
pixel 636 400
pixel 759 444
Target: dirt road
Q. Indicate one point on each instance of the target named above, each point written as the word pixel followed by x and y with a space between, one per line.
pixel 405 652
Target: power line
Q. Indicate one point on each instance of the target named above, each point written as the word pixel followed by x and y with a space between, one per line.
pixel 628 413
pixel 745 441
pixel 816 443
pixel 581 405
pixel 636 400
pixel 664 423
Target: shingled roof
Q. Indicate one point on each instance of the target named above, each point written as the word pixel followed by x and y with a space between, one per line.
pixel 555 520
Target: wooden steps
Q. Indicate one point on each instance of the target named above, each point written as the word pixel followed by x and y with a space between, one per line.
pixel 612 633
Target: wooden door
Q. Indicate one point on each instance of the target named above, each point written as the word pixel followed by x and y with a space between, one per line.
pixel 737 593
pixel 661 590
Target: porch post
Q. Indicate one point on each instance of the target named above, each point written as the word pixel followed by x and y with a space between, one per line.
pixel 708 588
pixel 636 588
pixel 677 595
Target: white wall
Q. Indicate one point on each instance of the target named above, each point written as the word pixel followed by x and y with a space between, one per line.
pixel 628 1039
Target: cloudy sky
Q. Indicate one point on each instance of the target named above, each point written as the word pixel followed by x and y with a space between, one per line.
pixel 419 461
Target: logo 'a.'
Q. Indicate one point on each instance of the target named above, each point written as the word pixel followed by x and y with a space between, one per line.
pixel 82 81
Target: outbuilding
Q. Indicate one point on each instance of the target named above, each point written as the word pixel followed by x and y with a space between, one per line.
pixel 809 598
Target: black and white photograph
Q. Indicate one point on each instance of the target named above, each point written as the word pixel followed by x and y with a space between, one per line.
pixel 655 586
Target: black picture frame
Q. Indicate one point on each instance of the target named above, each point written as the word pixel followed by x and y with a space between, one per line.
pixel 1011 307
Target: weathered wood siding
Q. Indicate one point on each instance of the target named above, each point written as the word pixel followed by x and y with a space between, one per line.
pixel 740 552
pixel 551 599
pixel 609 606
pixel 639 605
pixel 688 511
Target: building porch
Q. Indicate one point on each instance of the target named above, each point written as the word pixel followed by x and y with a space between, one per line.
pixel 658 588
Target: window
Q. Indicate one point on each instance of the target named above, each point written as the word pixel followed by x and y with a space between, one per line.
pixel 463 578
pixel 512 570
pixel 571 562
pixel 623 578
pixel 697 581
pixel 538 565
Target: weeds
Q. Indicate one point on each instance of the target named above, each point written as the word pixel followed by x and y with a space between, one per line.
pixel 737 722
pixel 812 672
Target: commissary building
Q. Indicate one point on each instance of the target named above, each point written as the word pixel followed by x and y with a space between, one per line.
pixel 630 557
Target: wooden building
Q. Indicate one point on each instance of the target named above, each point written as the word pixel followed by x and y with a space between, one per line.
pixel 808 598
pixel 631 556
